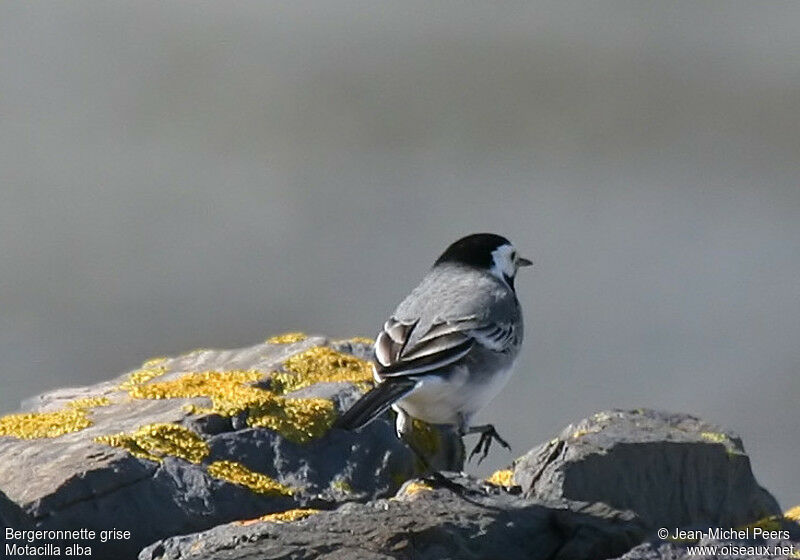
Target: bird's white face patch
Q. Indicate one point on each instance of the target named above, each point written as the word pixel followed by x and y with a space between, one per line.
pixel 504 265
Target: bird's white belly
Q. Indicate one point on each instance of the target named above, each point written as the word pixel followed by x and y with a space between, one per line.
pixel 446 401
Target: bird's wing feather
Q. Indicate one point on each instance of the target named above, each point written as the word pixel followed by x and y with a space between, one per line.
pixel 392 340
pixel 401 351
pixel 496 336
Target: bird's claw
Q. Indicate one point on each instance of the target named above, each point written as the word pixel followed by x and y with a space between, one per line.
pixel 485 442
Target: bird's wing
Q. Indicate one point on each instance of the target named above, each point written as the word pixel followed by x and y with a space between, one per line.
pixel 400 350
pixel 499 337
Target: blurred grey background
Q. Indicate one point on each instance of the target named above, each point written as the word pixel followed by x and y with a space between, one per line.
pixel 181 175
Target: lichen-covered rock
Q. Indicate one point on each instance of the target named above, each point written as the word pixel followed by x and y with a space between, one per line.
pixel 419 523
pixel 186 443
pixel 671 470
pixel 195 442
pixel 599 489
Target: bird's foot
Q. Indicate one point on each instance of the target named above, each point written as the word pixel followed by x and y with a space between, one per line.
pixel 488 433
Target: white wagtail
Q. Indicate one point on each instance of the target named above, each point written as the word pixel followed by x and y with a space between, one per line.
pixel 449 347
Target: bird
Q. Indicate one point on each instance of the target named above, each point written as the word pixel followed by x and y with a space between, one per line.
pixel 450 345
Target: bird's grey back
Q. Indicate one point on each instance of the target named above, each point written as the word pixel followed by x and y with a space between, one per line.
pixel 454 292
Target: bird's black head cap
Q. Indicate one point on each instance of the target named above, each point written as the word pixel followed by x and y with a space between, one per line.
pixel 473 250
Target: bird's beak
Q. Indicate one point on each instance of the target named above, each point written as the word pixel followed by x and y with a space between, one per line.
pixel 522 261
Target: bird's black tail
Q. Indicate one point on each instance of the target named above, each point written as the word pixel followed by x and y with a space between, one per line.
pixel 374 403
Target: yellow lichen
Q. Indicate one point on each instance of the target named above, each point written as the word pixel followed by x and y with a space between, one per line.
pixel 341 486
pixel 231 392
pixel 425 437
pixel 298 420
pixel 154 362
pixel 415 487
pixel 73 417
pixel 33 425
pixel 150 370
pixel 601 416
pixel 237 473
pixel 289 515
pixel 503 477
pixel 580 433
pixel 89 402
pixel 320 364
pixel 362 340
pixel 714 437
pixel 287 338
pixel 228 390
pixel 771 523
pixel 776 522
pixel 155 441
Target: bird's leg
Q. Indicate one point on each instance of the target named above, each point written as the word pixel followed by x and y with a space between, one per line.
pixel 488 433
pixel 404 429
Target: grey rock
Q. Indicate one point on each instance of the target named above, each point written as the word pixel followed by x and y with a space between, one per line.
pixel 671 470
pixel 599 489
pixel 72 481
pixel 596 491
pixel 11 515
pixel 420 523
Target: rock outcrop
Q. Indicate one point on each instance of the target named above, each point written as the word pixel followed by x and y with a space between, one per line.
pixel 671 470
pixel 596 491
pixel 230 454
pixel 186 443
pixel 420 523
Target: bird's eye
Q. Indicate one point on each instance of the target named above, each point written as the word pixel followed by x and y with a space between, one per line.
pixel 513 256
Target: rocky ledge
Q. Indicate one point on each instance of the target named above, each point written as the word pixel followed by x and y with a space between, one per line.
pixel 230 454
pixel 183 444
